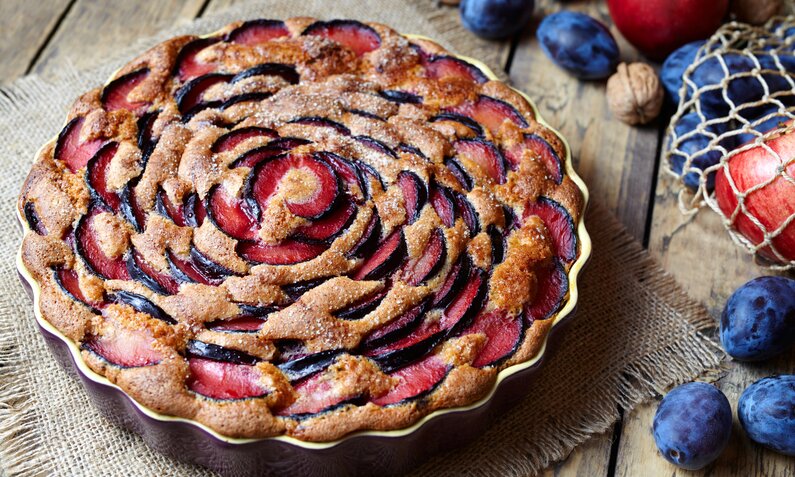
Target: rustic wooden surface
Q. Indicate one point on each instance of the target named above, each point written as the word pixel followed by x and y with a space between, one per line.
pixel 620 164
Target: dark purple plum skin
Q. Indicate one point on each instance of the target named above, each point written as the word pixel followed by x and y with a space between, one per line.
pixel 740 90
pixel 767 413
pixel 579 44
pixel 692 145
pixel 673 69
pixel 692 425
pixel 758 321
pixel 496 18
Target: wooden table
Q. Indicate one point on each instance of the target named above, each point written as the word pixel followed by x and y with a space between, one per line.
pixel 621 165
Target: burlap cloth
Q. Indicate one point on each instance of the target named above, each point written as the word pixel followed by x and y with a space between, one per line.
pixel 635 332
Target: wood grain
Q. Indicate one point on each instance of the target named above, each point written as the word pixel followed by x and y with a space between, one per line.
pixel 702 257
pixel 24 31
pixel 95 28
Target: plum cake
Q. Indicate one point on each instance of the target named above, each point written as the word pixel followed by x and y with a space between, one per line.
pixel 302 228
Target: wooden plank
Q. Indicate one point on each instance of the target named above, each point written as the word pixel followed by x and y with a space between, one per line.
pixel 94 28
pixel 615 160
pixel 703 258
pixel 591 459
pixel 23 32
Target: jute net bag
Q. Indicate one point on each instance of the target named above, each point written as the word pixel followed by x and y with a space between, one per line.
pixel 737 96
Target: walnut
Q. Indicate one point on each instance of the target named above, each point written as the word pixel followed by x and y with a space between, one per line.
pixel 634 93
pixel 755 12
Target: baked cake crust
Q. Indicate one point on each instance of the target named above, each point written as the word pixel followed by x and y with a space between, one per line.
pixel 301 228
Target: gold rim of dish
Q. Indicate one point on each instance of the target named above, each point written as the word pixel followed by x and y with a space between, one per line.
pixel 568 308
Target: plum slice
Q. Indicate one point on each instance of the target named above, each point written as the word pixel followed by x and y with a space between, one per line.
pixel 560 225
pixel 386 258
pixel 240 98
pixel 148 275
pixel 321 122
pixel 254 32
pixel 442 202
pixel 398 96
pixel 458 171
pixel 145 137
pixel 444 66
pixel 200 349
pixel 230 140
pixel 352 34
pixel 88 249
pixel 415 194
pixel 315 395
pixel 114 95
pixel 296 290
pixel 397 328
pixel 272 149
pixel 483 153
pixel 415 381
pixel 376 145
pixel 467 303
pixel 32 218
pixel 458 118
pixel 370 237
pixel 187 65
pixel 198 268
pixel 504 335
pixel 129 207
pixel 190 94
pixel 307 365
pixel 491 113
pixel 142 304
pixel 130 349
pixel 497 244
pixel 231 215
pixel 285 72
pixel 553 285
pixel 427 265
pixel 194 211
pixel 169 210
pixel 224 381
pixel 539 148
pixel 346 170
pixel 288 252
pixel 369 176
pixel 243 324
pixel 466 211
pixel 363 307
pixel 320 185
pixel 69 149
pixel 456 278
pixel 69 282
pixel 329 227
pixel 423 338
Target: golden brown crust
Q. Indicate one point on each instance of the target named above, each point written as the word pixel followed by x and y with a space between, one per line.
pixel 133 269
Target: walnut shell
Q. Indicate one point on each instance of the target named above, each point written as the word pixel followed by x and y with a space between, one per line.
pixel 634 93
pixel 755 12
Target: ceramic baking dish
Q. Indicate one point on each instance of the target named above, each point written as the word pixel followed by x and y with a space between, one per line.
pixel 361 453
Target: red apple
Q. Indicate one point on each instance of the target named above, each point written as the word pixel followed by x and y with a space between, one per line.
pixel 771 204
pixel 658 27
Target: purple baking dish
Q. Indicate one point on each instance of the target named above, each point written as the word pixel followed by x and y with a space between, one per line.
pixel 361 453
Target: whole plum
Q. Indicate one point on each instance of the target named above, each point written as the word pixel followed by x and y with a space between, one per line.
pixel 767 413
pixel 579 44
pixel 739 89
pixel 758 321
pixel 496 18
pixel 692 425
pixel 673 69
pixel 695 146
